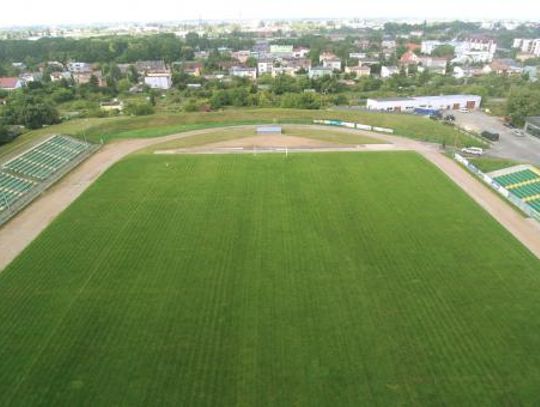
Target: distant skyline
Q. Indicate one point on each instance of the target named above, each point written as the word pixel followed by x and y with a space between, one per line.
pixel 53 12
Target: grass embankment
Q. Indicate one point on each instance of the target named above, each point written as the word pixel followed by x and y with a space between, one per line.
pixel 488 164
pixel 318 279
pixel 165 124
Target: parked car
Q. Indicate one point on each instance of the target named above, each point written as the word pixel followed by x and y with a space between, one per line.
pixel 518 133
pixel 450 118
pixel 473 151
pixel 464 110
pixel 490 135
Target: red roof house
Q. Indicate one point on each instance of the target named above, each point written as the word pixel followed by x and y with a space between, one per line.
pixel 409 58
pixel 10 83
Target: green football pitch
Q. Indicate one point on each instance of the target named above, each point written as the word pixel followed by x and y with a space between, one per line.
pixel 337 279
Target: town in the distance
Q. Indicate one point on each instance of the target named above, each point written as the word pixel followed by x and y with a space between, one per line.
pixel 418 67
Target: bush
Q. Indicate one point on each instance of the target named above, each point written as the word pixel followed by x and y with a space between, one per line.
pixel 7 135
pixel 300 101
pixel 140 109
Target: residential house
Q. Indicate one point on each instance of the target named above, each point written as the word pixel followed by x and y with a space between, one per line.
pixel 58 76
pixel 78 67
pixel 192 68
pixel 414 47
pixel 434 64
pixel 158 79
pixel 242 56
pixel 357 55
pixel 31 77
pixel 461 72
pixel 265 66
pixel 388 43
pixel 10 83
pixel 143 67
pixel 84 77
pixel 112 106
pixel 282 51
pixel 504 66
pixel 201 55
pixel 409 58
pixel 388 71
pixel 333 64
pixel 297 64
pixel 358 70
pixel 362 44
pixel 300 52
pixel 316 72
pixel 243 72
pixel 327 56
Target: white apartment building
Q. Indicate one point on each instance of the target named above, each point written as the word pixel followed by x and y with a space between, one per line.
pixel 528 46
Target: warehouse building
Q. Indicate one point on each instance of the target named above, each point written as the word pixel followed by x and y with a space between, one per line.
pixel 408 104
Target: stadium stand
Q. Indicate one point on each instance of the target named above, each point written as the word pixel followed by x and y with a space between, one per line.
pixel 517 178
pixel 11 188
pixel 25 176
pixel 525 184
pixel 47 158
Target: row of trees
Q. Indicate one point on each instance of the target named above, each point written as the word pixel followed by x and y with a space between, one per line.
pixel 121 49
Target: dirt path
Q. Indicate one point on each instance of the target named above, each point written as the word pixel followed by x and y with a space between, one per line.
pixel 18 233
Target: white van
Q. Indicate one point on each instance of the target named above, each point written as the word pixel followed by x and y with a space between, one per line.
pixel 463 110
pixel 473 150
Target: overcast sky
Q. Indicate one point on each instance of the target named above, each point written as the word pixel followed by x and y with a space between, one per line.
pixel 31 12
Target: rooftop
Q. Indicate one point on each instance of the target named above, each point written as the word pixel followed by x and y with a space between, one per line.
pixel 8 82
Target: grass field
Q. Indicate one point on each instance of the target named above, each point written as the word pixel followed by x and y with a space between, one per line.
pixel 321 279
pixel 224 134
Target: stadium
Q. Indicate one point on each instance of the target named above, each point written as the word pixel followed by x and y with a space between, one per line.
pixel 333 263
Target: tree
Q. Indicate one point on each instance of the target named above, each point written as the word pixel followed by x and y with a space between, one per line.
pixel 523 103
pixel 30 111
pixel 38 114
pixel 444 51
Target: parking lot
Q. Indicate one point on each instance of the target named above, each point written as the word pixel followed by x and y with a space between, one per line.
pixel 524 149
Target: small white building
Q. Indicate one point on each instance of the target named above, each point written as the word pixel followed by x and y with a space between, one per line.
pixel 316 72
pixel 244 72
pixel 265 67
pixel 357 55
pixel 388 71
pixel 408 104
pixel 158 80
pixel 358 70
pixel 333 64
pixel 300 52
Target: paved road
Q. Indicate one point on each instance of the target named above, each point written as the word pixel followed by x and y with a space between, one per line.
pixel 523 149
